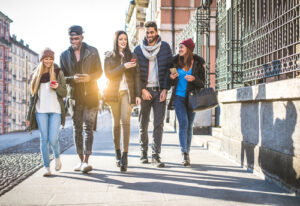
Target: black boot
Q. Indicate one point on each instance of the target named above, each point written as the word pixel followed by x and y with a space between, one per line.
pixel 144 158
pixel 118 157
pixel 186 159
pixel 156 161
pixel 124 162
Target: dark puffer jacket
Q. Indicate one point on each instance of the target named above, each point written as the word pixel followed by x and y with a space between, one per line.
pixel 198 72
pixel 114 71
pixel 90 65
pixel 164 57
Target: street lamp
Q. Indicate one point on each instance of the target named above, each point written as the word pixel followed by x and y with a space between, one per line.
pixel 206 4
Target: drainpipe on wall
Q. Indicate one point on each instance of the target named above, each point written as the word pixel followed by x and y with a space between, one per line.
pixel 173 26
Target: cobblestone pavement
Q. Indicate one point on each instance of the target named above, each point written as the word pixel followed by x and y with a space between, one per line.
pixel 20 161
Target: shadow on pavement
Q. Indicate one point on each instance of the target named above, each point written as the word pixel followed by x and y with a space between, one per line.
pixel 231 188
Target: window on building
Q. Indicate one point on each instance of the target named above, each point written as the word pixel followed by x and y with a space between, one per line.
pixel 6 53
pixel 7 32
pixel 1 28
pixel 1 52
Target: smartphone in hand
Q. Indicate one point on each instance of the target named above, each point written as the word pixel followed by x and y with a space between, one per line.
pixel 173 70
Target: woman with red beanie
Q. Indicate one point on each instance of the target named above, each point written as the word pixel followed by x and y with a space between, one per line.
pixel 46 109
pixel 188 75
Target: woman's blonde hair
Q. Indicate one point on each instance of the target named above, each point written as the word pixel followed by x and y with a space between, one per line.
pixel 37 75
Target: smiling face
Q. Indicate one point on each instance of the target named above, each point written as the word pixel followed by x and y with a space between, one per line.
pixel 182 50
pixel 122 42
pixel 151 35
pixel 76 41
pixel 48 61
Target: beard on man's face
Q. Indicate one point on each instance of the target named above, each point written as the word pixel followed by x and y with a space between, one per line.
pixel 152 39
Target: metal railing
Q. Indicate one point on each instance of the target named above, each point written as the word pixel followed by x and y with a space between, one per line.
pixel 257 42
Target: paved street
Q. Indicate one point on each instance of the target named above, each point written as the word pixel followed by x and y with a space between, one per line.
pixel 212 180
pixel 20 155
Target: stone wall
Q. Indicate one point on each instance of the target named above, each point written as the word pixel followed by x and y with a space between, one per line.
pixel 261 129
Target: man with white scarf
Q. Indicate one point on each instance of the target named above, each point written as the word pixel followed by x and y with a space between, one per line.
pixel 154 56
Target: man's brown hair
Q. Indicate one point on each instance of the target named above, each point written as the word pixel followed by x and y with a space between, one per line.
pixel 151 24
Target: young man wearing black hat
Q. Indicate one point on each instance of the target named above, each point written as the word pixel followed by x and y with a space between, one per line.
pixel 82 68
pixel 154 56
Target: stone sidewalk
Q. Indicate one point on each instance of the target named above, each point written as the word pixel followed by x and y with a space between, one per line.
pixel 211 180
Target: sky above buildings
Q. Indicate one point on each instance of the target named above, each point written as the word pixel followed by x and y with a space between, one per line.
pixel 42 23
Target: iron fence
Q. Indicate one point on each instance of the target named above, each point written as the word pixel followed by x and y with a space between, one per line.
pixel 257 41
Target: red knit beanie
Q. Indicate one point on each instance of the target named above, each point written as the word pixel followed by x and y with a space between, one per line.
pixel 47 53
pixel 189 43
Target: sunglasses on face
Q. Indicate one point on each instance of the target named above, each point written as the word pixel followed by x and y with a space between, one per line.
pixel 74 38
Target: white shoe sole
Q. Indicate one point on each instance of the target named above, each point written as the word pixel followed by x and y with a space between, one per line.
pixel 87 169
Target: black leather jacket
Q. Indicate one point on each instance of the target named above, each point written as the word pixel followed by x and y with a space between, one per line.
pixel 90 65
pixel 197 71
pixel 114 71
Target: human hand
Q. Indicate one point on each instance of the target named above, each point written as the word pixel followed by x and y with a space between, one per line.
pixel 85 78
pixel 53 84
pixel 146 94
pixel 174 75
pixel 129 65
pixel 27 123
pixel 163 95
pixel 137 101
pixel 77 78
pixel 189 78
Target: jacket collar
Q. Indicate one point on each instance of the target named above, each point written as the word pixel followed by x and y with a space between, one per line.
pixel 84 51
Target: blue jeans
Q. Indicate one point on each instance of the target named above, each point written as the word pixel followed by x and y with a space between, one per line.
pixel 185 118
pixel 48 124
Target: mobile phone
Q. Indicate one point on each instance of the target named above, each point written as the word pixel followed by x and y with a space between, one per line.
pixel 133 60
pixel 173 70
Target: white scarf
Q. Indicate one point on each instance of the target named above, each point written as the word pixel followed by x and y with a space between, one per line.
pixel 153 49
pixel 150 52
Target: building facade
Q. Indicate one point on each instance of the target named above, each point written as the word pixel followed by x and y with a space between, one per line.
pixel 5 78
pixel 23 62
pixel 171 17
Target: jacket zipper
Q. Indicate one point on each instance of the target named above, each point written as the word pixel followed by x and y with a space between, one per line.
pixel 83 73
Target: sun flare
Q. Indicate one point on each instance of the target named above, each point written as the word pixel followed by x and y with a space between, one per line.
pixel 102 83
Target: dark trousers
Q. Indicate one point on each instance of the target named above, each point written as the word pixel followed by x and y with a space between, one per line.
pixel 159 110
pixel 83 121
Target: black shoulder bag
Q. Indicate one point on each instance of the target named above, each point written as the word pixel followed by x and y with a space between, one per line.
pixel 202 99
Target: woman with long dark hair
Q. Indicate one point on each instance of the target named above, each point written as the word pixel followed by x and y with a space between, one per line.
pixel 187 73
pixel 46 109
pixel 122 92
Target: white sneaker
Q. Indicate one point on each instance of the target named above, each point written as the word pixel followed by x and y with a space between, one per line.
pixel 85 167
pixel 57 164
pixel 47 172
pixel 78 167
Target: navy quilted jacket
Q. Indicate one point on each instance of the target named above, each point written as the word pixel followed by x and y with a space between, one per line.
pixel 164 58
